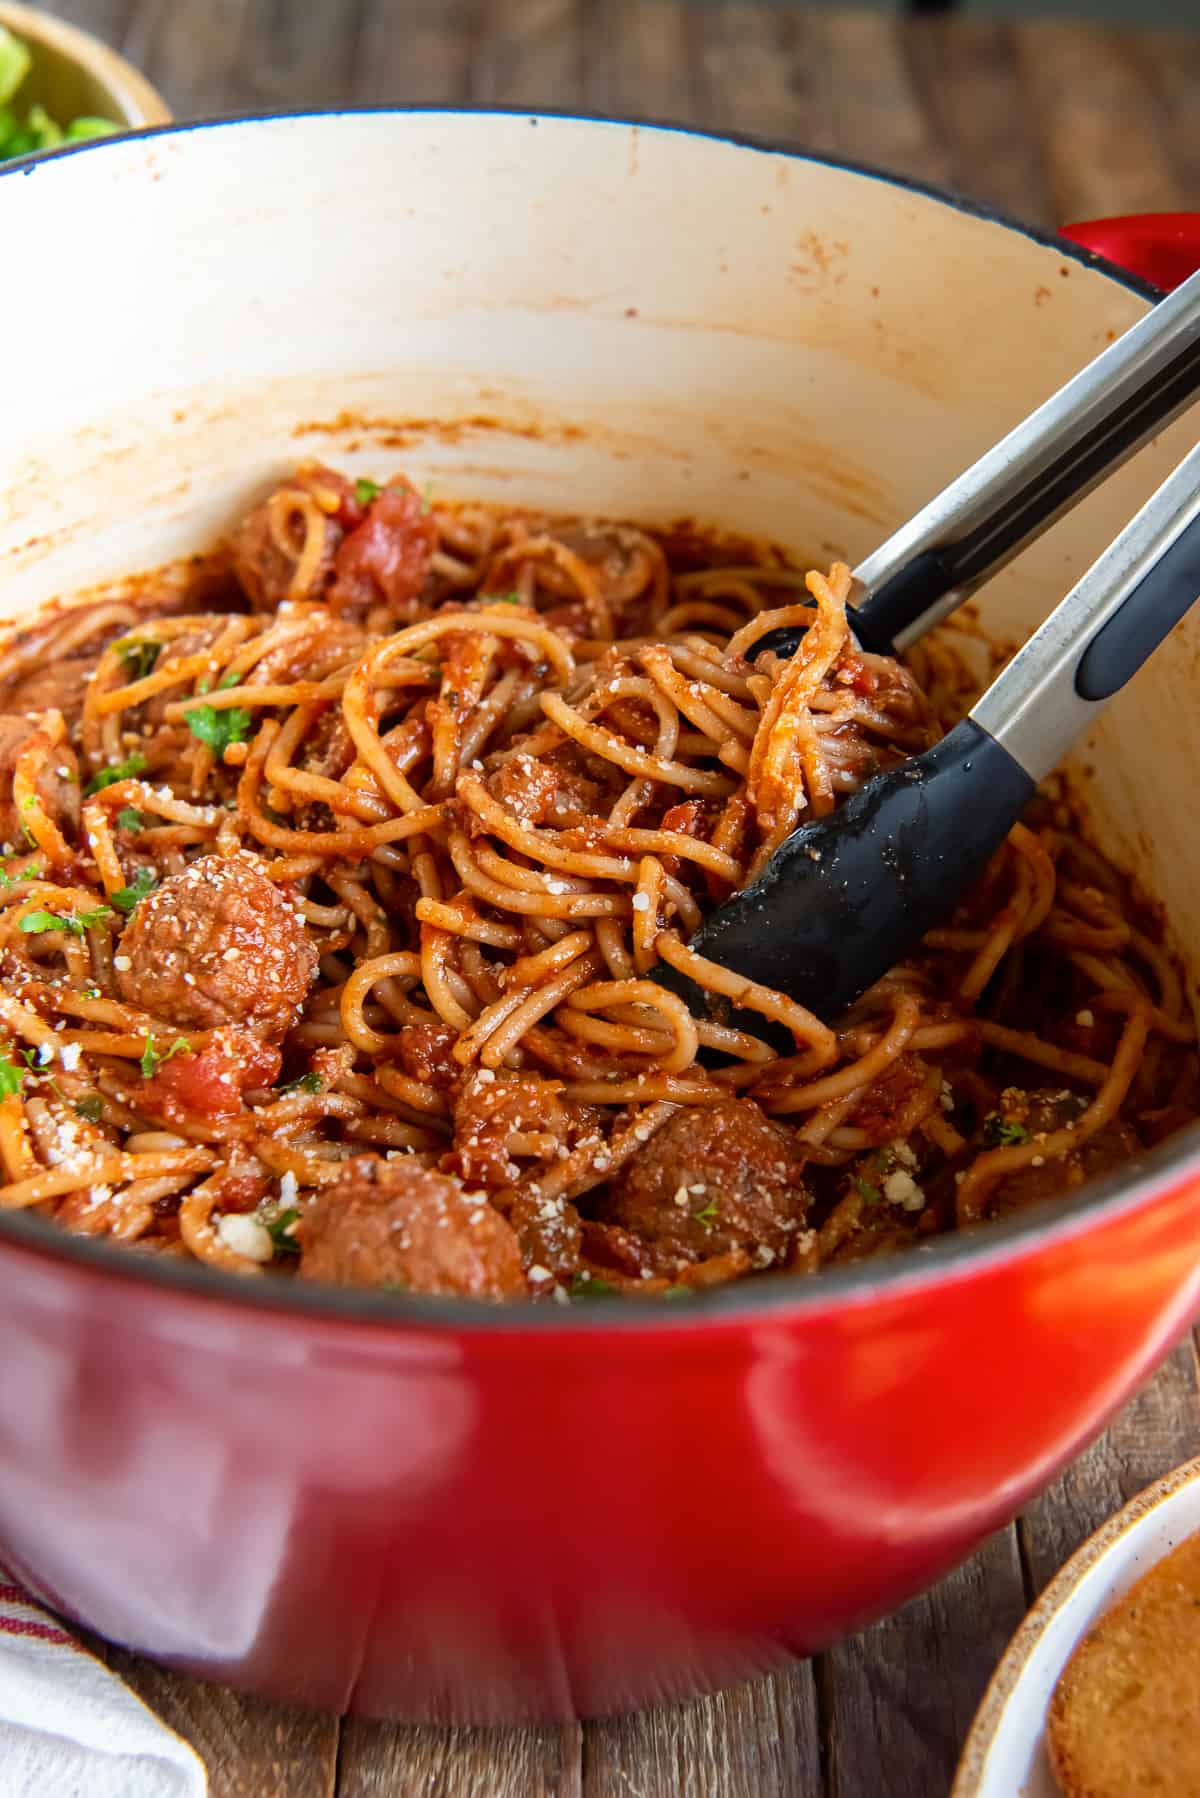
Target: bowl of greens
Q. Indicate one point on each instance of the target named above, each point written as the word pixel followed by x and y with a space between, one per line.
pixel 59 85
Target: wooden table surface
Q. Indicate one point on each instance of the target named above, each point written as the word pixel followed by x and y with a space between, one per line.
pixel 1052 121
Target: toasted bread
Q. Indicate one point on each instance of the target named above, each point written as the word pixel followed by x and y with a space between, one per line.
pixel 1125 1716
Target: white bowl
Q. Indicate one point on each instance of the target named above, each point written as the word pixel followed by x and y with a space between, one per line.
pixel 1005 1754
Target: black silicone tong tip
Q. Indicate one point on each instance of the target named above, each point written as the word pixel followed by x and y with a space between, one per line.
pixel 848 896
pixel 845 897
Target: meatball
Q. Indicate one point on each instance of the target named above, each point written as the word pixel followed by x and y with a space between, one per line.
pixel 57 685
pixel 1039 1113
pixel 388 1223
pixel 545 791
pixel 328 643
pixel 217 944
pixel 712 1180
pixel 514 1116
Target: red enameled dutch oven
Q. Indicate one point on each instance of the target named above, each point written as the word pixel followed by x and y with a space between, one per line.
pixel 431 1510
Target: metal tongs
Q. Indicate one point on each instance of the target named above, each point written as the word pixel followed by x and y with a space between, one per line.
pixel 847 896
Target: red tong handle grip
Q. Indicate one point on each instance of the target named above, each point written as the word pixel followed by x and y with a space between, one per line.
pixel 1162 247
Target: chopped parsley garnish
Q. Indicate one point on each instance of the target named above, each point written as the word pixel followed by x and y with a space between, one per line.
pixel 151 1059
pixel 585 1286
pixel 307 1083
pixel 279 1230
pixel 107 777
pixel 1003 1132
pixel 707 1215
pixel 503 599
pixel 74 923
pixel 218 728
pixel 143 882
pixel 680 1292
pixel 11 1076
pixel 865 1189
pixel 129 818
pixel 365 491
pixel 229 679
pixel 90 1108
pixel 138 656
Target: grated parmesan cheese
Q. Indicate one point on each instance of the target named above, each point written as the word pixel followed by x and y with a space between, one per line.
pixel 901 1189
pixel 246 1237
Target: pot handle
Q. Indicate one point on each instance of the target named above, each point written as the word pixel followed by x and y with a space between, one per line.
pixel 1161 247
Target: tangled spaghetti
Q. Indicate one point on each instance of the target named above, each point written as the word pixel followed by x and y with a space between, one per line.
pixel 337 870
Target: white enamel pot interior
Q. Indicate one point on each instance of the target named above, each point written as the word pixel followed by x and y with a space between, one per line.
pixel 628 320
pixel 638 322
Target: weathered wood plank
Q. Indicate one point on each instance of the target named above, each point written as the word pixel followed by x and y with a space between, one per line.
pixel 107 18
pixel 759 1740
pixel 898 1699
pixel 1094 114
pixel 747 74
pixel 529 53
pixel 193 56
pixel 1155 1432
pixel 281 55
pixel 875 111
pixel 380 1760
pixel 251 1749
pixel 970 88
pixel 419 52
pixel 1170 61
pixel 639 59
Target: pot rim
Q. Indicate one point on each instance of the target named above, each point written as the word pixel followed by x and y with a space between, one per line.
pixel 771 1298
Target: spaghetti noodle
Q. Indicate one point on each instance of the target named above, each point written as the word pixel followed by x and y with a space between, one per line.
pixel 336 873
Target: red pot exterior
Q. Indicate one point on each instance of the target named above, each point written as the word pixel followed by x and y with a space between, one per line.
pixel 499 1523
pixel 1161 247
pixel 548 1516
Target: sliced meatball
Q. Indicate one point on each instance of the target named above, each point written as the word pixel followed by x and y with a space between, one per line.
pixel 545 791
pixel 326 645
pixel 386 1223
pixel 285 548
pixel 424 1053
pixel 57 784
pixel 711 1180
pixel 623 563
pixel 201 633
pixel 503 1124
pixel 1040 1113
pixel 217 944
pixel 60 685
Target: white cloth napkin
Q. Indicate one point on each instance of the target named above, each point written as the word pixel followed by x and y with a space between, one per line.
pixel 71 1729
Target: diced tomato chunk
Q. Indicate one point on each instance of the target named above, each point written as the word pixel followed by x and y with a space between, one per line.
pixel 210 1083
pixel 386 557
